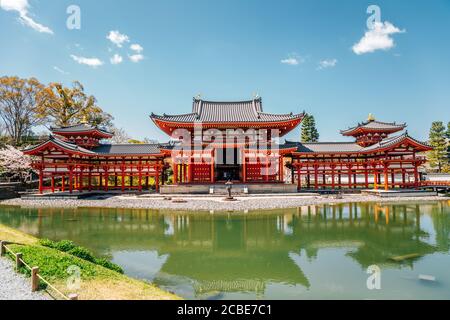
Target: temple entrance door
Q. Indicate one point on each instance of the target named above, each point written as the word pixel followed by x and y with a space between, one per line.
pixel 228 164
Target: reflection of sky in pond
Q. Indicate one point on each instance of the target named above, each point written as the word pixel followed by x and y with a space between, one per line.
pixel 311 252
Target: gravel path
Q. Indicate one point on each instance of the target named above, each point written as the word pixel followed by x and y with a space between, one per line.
pixel 210 203
pixel 14 286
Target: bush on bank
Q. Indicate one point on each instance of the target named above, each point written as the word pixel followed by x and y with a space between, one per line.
pixel 80 252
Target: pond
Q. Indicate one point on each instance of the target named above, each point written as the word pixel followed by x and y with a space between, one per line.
pixel 311 252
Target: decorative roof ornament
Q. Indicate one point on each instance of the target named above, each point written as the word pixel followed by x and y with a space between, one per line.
pixel 198 96
pixel 371 117
pixel 84 120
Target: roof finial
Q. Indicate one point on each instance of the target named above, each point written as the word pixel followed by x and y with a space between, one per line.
pixel 371 117
pixel 255 95
pixel 198 96
pixel 84 120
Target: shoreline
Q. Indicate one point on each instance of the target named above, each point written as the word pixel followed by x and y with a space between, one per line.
pixel 211 204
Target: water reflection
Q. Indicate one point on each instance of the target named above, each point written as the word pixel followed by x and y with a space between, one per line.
pixel 224 255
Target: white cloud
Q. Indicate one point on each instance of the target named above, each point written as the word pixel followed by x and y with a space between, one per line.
pixel 117 38
pixel 327 63
pixel 91 62
pixel 136 58
pixel 60 70
pixel 136 48
pixel 21 6
pixel 379 38
pixel 116 59
pixel 293 59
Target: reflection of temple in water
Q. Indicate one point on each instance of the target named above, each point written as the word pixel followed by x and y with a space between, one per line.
pixel 246 252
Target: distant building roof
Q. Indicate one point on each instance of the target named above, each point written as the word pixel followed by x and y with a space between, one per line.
pixel 81 128
pixel 374 126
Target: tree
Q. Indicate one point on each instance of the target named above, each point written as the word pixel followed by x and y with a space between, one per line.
pixel 438 156
pixel 19 102
pixel 120 136
pixel 62 106
pixel 309 130
pixel 15 164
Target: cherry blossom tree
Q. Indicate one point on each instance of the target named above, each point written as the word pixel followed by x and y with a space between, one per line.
pixel 15 164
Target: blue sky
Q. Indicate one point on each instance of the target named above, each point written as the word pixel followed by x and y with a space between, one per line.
pixel 298 55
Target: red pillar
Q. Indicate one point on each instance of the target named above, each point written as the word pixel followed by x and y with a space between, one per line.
pixel 316 185
pixel 366 176
pixel 175 173
pixel 63 183
pixel 333 186
pixel 90 179
pixel 375 178
pixel 81 179
pixel 213 173
pixel 299 177
pixel 386 178
pixel 70 179
pixel 349 167
pixel 41 181
pixel 123 177
pixel 157 178
pixel 53 183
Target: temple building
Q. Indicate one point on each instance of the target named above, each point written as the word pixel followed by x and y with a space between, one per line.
pixel 229 141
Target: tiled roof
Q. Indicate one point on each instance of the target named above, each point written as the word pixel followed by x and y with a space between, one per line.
pixel 62 144
pixel 129 149
pixel 335 147
pixel 376 125
pixel 349 147
pixel 390 141
pixel 242 111
pixel 81 127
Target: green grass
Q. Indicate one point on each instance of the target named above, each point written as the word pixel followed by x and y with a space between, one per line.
pixel 80 252
pixel 53 265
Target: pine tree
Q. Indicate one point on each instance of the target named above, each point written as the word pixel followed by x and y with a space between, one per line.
pixel 309 130
pixel 438 157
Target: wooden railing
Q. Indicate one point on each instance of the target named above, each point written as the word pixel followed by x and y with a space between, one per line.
pixel 36 278
pixel 435 183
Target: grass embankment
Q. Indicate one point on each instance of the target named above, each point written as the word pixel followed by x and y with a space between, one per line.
pixel 97 281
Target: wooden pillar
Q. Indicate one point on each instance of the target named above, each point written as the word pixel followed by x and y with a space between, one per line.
pixel 244 166
pixel 123 177
pixel 140 175
pixel 299 177
pixel 213 173
pixel 403 178
pixel 349 173
pixel 175 173
pixel 70 179
pixel 416 175
pixel 90 179
pixel 281 168
pixel 366 176
pixel 267 168
pixel 375 178
pixel 41 181
pixel 81 179
pixel 333 186
pixel 53 183
pixel 106 170
pixel 386 177
pixel 316 176
pixel 63 183
pixel 157 178
pixel 393 179
pixel 100 180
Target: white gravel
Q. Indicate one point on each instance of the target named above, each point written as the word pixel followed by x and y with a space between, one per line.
pixel 210 203
pixel 14 286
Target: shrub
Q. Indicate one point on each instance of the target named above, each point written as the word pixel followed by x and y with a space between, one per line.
pixel 47 243
pixel 109 265
pixel 82 253
pixel 65 246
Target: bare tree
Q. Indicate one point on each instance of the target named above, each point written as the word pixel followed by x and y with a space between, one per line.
pixel 18 105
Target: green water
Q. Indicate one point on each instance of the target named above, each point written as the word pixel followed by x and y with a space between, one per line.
pixel 315 252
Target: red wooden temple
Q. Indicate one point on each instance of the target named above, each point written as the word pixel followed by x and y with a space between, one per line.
pixel 228 141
